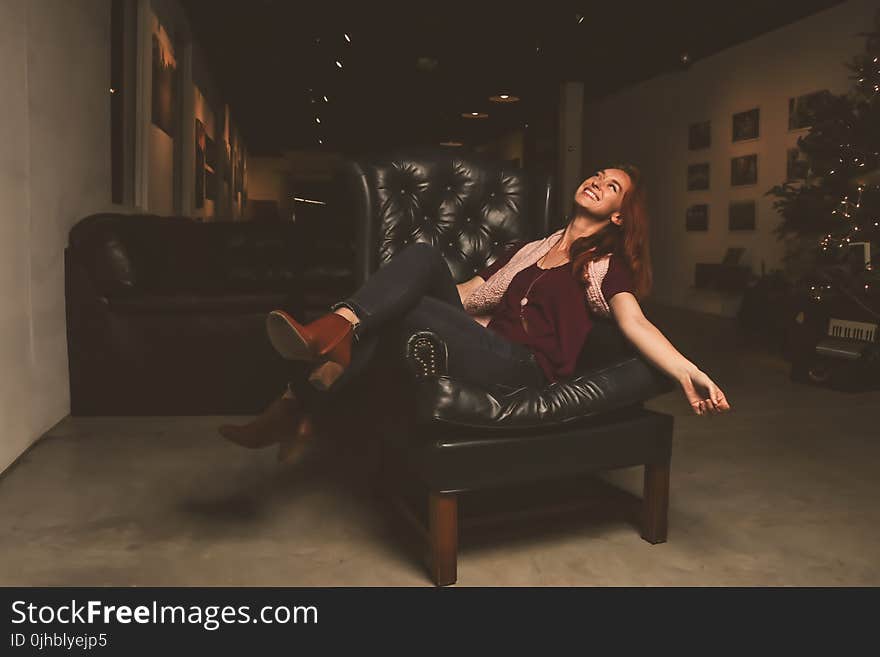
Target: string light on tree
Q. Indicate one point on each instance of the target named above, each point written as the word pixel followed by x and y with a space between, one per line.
pixel 838 203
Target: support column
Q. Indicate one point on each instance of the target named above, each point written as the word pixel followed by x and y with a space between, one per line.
pixel 187 136
pixel 571 122
pixel 143 105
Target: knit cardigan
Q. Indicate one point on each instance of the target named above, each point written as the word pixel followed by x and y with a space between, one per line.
pixel 483 300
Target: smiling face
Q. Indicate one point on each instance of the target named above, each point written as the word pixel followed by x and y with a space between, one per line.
pixel 601 195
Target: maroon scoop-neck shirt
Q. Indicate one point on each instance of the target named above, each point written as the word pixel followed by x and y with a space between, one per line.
pixel 557 312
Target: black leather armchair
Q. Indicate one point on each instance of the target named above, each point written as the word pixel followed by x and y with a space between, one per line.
pixel 455 437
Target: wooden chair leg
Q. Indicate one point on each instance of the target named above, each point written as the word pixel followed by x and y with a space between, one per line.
pixel 443 537
pixel 655 502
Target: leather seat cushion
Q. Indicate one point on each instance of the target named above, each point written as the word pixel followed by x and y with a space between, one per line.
pixel 455 459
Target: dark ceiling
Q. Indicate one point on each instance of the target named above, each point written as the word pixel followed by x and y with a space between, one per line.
pixel 268 54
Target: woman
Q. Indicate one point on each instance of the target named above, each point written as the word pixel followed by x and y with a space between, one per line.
pixel 521 321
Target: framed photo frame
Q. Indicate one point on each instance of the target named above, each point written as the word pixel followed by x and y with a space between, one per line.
pixel 210 185
pixel 744 170
pixel 746 125
pixel 201 143
pixel 164 83
pixel 860 253
pixel 210 153
pixel 741 215
pixel 697 218
pixel 698 177
pixel 802 109
pixel 699 135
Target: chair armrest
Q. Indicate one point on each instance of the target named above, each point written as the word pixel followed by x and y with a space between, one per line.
pixel 625 382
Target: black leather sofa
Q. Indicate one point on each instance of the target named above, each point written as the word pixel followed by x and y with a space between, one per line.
pixel 166 315
pixel 445 437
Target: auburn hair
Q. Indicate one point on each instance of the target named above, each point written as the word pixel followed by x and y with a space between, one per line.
pixel 629 241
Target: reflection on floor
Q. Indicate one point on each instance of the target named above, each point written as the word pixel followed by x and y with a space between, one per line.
pixel 781 491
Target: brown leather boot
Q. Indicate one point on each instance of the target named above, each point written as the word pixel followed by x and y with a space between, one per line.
pixel 292 449
pixel 327 338
pixel 277 423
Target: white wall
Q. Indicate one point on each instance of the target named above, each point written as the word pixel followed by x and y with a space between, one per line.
pixel 54 169
pixel 648 123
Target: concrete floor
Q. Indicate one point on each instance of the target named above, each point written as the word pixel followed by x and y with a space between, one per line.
pixel 783 490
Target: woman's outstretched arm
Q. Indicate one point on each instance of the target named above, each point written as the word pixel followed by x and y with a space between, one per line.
pixel 702 393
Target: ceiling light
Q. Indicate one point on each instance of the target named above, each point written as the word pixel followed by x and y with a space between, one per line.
pixel 338 63
pixel 452 143
pixel 326 100
pixel 580 18
pixel 112 90
pixel 685 58
pixel 317 119
pixel 347 38
pixel 474 115
pixel 504 98
pixel 427 64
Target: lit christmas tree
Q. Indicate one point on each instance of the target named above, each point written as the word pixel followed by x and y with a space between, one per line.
pixel 837 206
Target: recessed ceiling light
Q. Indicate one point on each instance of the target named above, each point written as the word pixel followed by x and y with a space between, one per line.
pixel 326 100
pixel 347 38
pixel 452 143
pixel 474 115
pixel 338 63
pixel 427 64
pixel 317 119
pixel 580 18
pixel 504 98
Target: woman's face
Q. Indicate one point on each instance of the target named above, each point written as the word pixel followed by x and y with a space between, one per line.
pixel 601 195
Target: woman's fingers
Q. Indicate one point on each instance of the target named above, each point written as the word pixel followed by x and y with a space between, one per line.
pixel 718 399
pixel 709 400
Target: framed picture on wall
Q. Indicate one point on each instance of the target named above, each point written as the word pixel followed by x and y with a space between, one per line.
pixel 200 164
pixel 797 165
pixel 210 185
pixel 744 170
pixel 697 218
pixel 802 110
pixel 210 153
pixel 699 135
pixel 164 79
pixel 741 215
pixel 698 177
pixel 747 125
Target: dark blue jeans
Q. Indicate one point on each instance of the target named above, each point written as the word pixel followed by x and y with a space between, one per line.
pixel 415 291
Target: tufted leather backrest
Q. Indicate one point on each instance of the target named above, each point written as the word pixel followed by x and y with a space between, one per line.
pixel 471 208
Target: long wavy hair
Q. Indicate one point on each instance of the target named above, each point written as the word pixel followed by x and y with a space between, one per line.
pixel 629 242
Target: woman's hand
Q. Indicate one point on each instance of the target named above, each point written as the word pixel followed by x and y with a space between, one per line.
pixel 702 393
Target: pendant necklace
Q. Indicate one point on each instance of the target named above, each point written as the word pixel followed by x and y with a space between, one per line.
pixel 525 299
